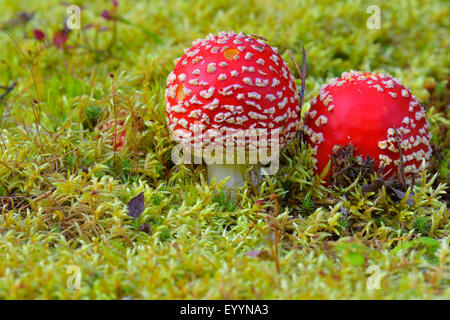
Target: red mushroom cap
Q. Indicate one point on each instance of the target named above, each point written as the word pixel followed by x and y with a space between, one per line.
pixel 120 130
pixel 231 82
pixel 363 109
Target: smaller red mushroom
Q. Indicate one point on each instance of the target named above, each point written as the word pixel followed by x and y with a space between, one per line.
pixel 368 110
pixel 225 87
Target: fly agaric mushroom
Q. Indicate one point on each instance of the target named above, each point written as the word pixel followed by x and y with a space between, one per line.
pixel 112 129
pixel 368 110
pixel 226 87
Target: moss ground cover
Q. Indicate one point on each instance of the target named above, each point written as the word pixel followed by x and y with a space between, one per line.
pixel 82 132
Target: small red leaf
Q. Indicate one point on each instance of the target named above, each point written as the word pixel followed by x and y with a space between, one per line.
pixel 59 38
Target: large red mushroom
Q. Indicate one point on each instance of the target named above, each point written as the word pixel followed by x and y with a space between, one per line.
pixel 228 86
pixel 368 110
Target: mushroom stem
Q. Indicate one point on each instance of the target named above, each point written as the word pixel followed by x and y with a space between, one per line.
pixel 236 172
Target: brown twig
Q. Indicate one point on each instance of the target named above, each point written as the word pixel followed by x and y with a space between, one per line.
pixel 303 85
pixel 134 162
pixel 36 111
pixel 115 117
pixel 45 195
pixel 3 143
pixel 258 37
pixel 274 226
pixel 165 166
